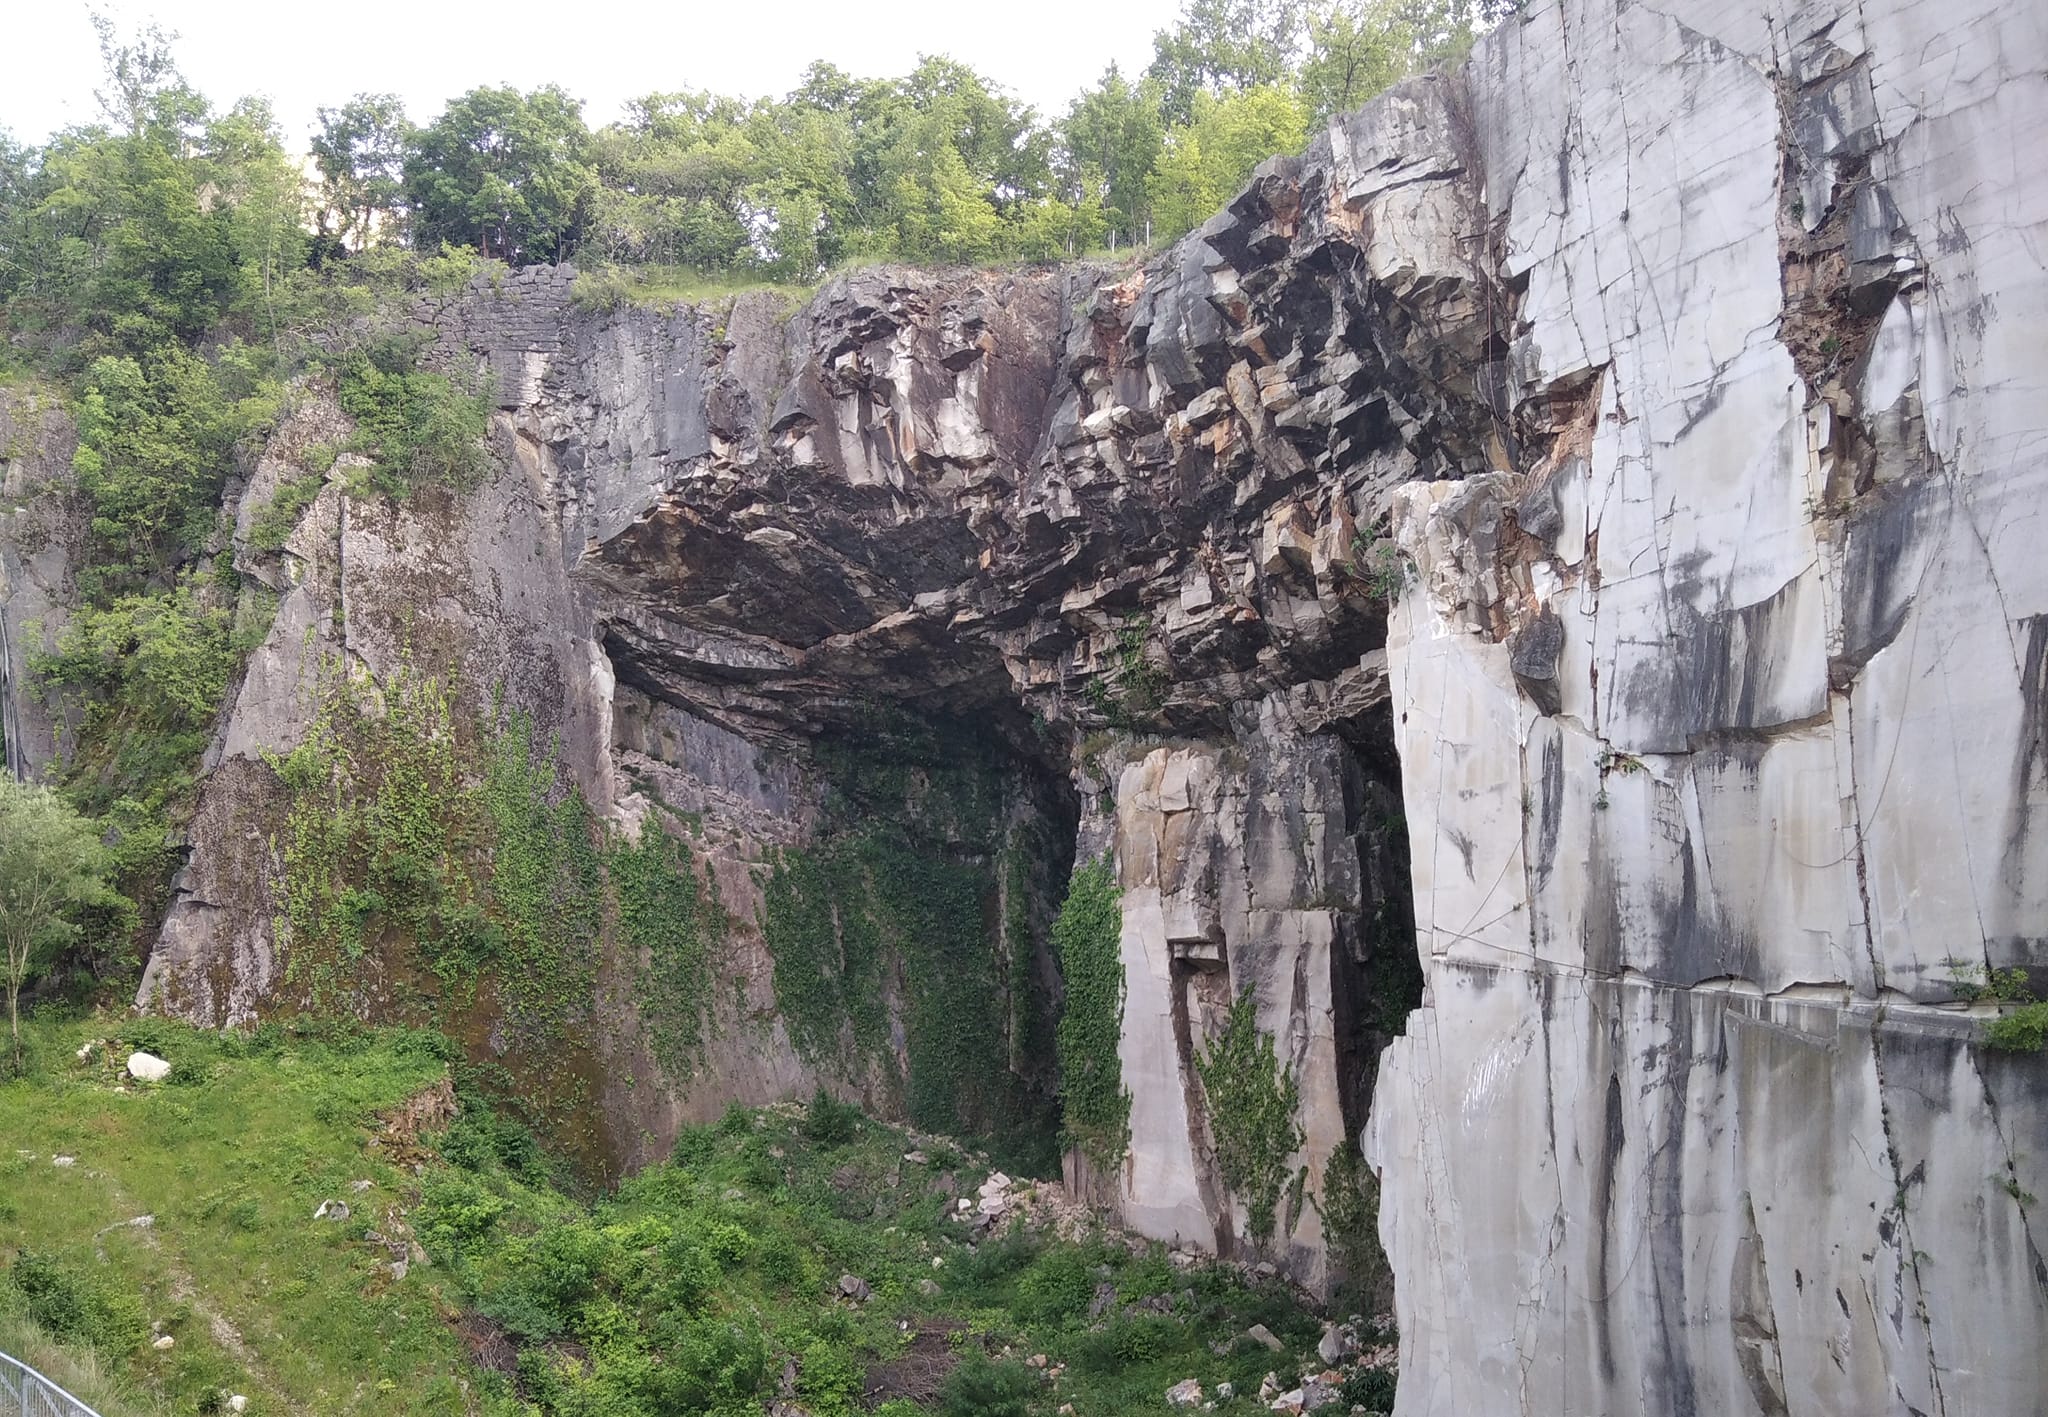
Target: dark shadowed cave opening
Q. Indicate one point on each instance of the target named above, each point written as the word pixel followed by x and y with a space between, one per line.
pixel 1378 973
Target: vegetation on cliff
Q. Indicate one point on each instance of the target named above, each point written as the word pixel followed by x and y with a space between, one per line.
pixel 1096 1110
pixel 891 919
pixel 169 270
pixel 1254 1122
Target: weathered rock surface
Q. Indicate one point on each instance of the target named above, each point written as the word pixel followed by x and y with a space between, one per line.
pixel 1681 1127
pixel 1682 378
pixel 42 532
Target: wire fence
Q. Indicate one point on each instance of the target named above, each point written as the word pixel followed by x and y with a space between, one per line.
pixel 24 1392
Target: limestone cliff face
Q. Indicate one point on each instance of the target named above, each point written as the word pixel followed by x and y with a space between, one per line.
pixel 1677 379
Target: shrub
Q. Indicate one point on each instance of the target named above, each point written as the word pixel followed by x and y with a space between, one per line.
pixel 420 428
pixel 828 1380
pixel 1058 1286
pixel 455 1214
pixel 276 519
pixel 829 1122
pixel 1370 1388
pixel 980 1387
pixel 985 1269
pixel 2021 1031
pixel 73 1308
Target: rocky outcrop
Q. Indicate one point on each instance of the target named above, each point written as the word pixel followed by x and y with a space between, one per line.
pixel 1718 727
pixel 1678 382
pixel 42 534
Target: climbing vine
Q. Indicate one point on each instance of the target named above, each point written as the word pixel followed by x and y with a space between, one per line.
pixel 1132 686
pixel 1097 1110
pixel 461 854
pixel 379 821
pixel 890 921
pixel 1253 1106
pixel 1350 1209
pixel 818 919
pixel 545 882
pixel 671 920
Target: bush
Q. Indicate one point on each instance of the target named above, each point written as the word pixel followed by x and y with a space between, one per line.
pixel 982 1388
pixel 1058 1286
pixel 73 1308
pixel 985 1269
pixel 829 1122
pixel 829 1380
pixel 420 427
pixel 2021 1031
pixel 276 519
pixel 1371 1388
pixel 455 1215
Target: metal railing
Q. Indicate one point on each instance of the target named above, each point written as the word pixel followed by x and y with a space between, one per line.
pixel 24 1392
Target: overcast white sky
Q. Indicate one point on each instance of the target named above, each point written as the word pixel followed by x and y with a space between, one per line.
pixel 303 54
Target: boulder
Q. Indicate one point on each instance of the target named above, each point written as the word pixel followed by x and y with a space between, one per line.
pixel 1259 1333
pixel 147 1067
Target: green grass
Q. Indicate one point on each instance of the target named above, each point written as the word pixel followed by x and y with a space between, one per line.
pixel 75 1368
pixel 230 1157
pixel 690 1288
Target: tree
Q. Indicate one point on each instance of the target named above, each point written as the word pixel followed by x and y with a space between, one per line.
pixel 1109 144
pixel 144 88
pixel 1208 158
pixel 1356 50
pixel 1222 46
pixel 500 171
pixel 154 437
pixel 52 867
pixel 360 151
pixel 264 192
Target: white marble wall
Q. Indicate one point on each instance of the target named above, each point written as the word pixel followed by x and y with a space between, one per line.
pixel 1684 1125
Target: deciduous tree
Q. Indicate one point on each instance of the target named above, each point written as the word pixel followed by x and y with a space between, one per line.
pixel 501 171
pixel 52 867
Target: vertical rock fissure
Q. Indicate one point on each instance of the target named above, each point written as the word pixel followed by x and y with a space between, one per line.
pixel 1208 1179
pixel 1378 981
pixel 10 718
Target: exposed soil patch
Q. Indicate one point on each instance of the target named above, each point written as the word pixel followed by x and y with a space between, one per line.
pixel 919 1371
pixel 488 1344
pixel 431 1109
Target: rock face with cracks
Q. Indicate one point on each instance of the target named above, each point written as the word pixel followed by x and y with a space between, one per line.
pixel 1573 527
pixel 1720 723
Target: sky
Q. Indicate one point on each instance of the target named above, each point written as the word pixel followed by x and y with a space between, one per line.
pixel 302 55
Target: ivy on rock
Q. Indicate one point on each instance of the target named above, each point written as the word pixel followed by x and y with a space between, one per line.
pixel 1096 1108
pixel 901 941
pixel 1253 1107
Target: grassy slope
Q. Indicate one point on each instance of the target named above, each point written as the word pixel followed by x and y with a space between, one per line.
pixel 689 1289
pixel 257 1297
